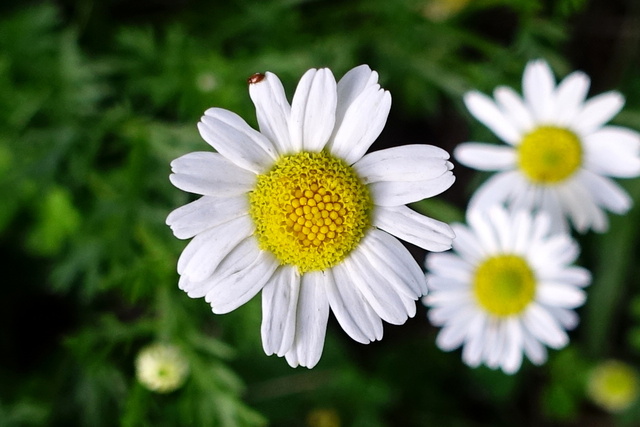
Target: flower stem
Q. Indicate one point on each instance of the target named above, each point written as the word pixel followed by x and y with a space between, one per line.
pixel 610 274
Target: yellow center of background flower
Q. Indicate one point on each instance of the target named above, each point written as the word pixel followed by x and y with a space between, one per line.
pixel 504 285
pixel 310 210
pixel 549 155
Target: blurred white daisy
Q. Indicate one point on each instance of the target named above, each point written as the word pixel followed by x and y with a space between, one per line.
pixel 559 152
pixel 161 367
pixel 508 289
pixel 613 385
pixel 299 211
pixel 440 10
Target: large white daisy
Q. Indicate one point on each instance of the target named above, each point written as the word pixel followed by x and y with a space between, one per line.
pixel 559 152
pixel 299 211
pixel 508 289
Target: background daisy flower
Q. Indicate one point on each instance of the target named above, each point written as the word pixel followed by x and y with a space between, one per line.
pixel 613 385
pixel 559 151
pixel 508 289
pixel 161 367
pixel 299 211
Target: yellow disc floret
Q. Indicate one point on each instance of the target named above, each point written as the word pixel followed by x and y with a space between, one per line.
pixel 504 285
pixel 310 210
pixel 549 155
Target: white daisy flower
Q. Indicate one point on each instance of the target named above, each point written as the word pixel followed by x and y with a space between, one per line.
pixel 161 368
pixel 508 289
pixel 299 211
pixel 613 385
pixel 559 152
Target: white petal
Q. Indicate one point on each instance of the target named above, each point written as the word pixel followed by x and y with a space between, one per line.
pixel 524 195
pixel 550 205
pixel 467 244
pixel 311 321
pixel 408 225
pixel 448 296
pixel 570 94
pixel 448 265
pixel 559 249
pixel 405 174
pixel 534 350
pixel 538 85
pixel 240 276
pixel 567 317
pixel 560 295
pixel 512 359
pixel 580 206
pixel 485 110
pixel 203 254
pixel 597 111
pixel 441 314
pixel 513 106
pixel 617 138
pixel 490 348
pixel 210 174
pixel 199 289
pixel 396 193
pixel 473 349
pixel 495 345
pixel 544 327
pixel 194 289
pixel 204 213
pixel 273 111
pixel 350 86
pixel 541 226
pixel 351 309
pixel 363 121
pixel 403 163
pixel 393 261
pixel 522 231
pixel 232 137
pixel 572 275
pixel 496 190
pixel 279 308
pixel 481 225
pixel 607 193
pixel 485 157
pixel 313 110
pixel 453 334
pixel 378 292
pixel 502 222
pixel 613 151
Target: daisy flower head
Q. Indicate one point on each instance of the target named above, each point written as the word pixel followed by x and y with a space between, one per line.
pixel 613 385
pixel 298 211
pixel 507 289
pixel 559 155
pixel 161 367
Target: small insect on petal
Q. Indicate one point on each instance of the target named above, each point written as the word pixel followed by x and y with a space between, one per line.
pixel 256 78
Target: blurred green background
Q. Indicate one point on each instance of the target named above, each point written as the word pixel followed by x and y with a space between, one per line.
pixel 96 99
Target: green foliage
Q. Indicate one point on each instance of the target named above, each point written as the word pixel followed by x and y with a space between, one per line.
pixel 564 392
pixel 98 98
pixel 57 219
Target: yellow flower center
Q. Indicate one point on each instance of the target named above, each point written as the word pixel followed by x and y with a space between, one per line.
pixel 310 210
pixel 549 155
pixel 504 285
